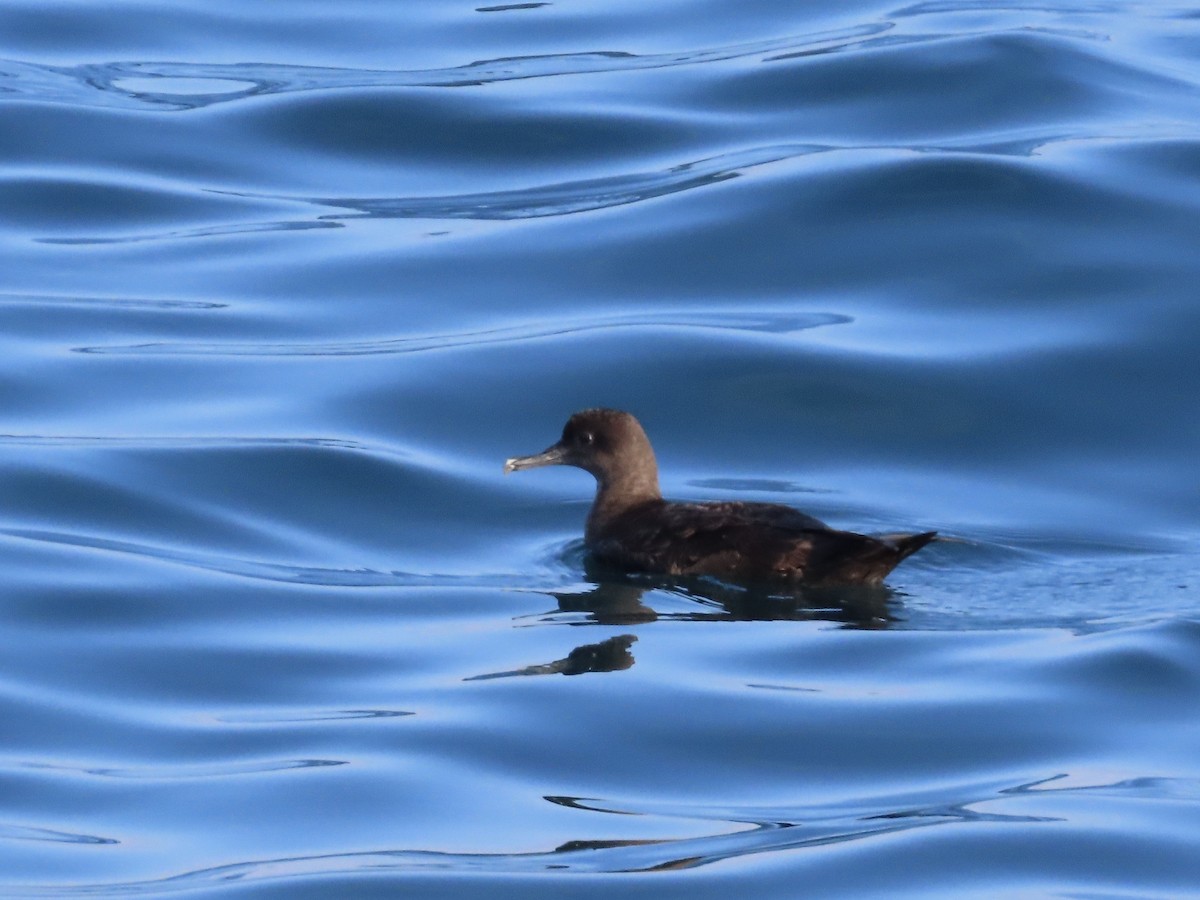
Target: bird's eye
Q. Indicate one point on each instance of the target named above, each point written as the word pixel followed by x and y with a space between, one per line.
pixel 587 438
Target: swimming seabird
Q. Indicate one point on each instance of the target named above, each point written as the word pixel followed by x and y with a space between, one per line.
pixel 631 526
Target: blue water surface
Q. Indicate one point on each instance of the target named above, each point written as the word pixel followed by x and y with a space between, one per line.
pixel 283 284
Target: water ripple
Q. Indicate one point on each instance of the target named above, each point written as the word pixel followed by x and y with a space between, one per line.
pixel 778 323
pixel 565 198
pixel 30 833
pixel 509 7
pixel 183 85
pixel 197 442
pixel 86 301
pixel 187 772
pixel 755 831
pixel 206 231
pixel 258 569
pixel 573 196
pixel 316 715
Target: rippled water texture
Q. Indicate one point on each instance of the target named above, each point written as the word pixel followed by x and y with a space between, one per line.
pixel 282 285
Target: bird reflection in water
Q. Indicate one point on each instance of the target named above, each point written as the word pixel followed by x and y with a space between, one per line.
pixel 611 655
pixel 618 598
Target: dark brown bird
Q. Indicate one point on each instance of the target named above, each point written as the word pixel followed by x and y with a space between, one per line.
pixel 632 527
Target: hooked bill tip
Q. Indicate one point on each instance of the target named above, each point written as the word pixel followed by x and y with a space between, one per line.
pixel 552 456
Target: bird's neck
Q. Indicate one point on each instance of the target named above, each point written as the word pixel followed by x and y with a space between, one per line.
pixel 617 494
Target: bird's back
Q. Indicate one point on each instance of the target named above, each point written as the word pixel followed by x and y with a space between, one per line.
pixel 745 541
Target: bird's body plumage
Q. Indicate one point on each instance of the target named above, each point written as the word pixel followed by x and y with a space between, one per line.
pixel 744 542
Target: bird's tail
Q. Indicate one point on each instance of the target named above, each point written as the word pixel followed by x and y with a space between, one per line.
pixel 908 544
pixel 849 558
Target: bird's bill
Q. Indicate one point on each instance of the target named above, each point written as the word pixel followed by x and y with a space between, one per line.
pixel 551 456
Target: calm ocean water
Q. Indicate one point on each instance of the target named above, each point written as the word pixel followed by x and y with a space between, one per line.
pixel 282 285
